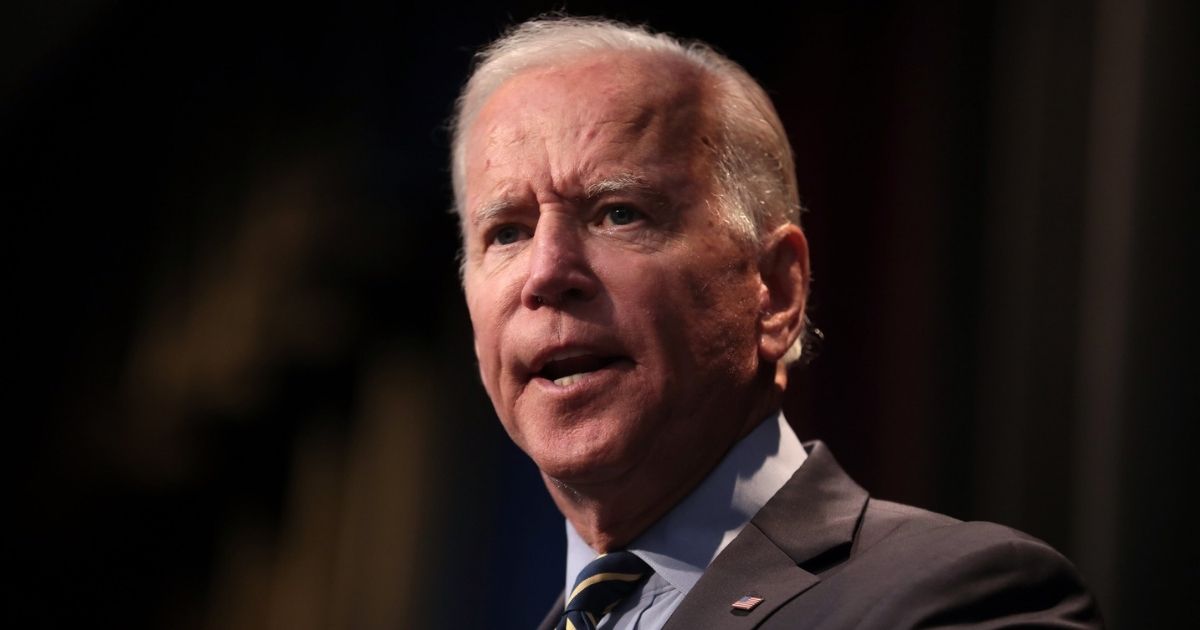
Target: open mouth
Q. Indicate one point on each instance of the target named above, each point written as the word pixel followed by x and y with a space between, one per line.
pixel 564 371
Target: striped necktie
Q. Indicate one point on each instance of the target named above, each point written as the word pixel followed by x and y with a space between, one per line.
pixel 602 584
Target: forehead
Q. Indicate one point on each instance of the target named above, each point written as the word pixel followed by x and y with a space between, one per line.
pixel 624 112
pixel 629 86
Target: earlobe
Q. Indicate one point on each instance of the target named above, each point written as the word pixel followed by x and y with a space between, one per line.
pixel 783 269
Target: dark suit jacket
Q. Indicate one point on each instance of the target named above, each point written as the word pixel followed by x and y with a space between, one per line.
pixel 823 554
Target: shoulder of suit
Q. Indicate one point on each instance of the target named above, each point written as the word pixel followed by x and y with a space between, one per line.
pixel 894 529
pixel 915 566
pixel 885 520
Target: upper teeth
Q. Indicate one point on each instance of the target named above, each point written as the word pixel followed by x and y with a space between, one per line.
pixel 568 379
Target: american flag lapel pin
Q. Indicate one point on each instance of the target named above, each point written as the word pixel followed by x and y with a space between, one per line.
pixel 747 602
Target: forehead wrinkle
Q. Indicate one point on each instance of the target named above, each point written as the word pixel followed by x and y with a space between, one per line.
pixel 597 144
pixel 620 123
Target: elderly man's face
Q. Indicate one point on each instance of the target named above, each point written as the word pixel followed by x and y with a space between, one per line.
pixel 614 314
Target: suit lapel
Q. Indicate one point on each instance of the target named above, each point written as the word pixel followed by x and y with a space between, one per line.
pixel 812 518
pixel 817 511
pixel 750 565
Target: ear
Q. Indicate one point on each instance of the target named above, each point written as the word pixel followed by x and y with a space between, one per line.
pixel 783 268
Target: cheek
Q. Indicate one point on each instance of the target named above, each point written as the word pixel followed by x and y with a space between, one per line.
pixel 724 314
pixel 493 302
pixel 487 337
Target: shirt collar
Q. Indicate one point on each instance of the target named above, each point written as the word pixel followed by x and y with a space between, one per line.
pixel 684 541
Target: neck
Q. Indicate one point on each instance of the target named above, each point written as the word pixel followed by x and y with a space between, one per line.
pixel 603 527
pixel 612 514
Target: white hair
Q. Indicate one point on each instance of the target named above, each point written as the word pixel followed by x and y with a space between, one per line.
pixel 754 171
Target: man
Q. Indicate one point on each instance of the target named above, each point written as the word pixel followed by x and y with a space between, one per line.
pixel 637 278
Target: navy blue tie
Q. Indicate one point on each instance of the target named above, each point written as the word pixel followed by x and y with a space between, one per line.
pixel 602 584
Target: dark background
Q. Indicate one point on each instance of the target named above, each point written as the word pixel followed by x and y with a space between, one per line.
pixel 240 389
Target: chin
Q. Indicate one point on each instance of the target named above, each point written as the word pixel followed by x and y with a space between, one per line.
pixel 573 459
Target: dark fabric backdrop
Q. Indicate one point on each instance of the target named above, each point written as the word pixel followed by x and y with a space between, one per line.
pixel 240 385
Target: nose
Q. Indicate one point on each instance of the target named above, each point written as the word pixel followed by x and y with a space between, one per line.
pixel 560 271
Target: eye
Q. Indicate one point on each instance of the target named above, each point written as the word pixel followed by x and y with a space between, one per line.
pixel 508 234
pixel 621 215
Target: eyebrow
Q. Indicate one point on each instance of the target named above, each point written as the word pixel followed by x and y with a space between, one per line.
pixel 628 183
pixel 491 210
pixel 623 183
